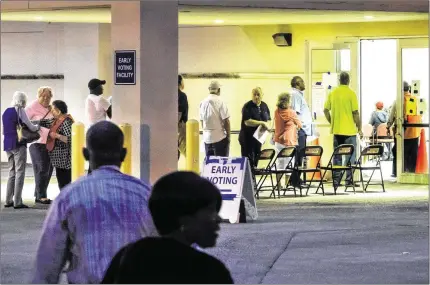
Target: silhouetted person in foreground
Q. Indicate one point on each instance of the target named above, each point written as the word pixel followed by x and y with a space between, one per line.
pixel 185 209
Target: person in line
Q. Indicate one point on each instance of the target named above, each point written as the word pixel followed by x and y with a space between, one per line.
pixel 185 210
pixel 94 217
pixel 182 117
pixel 301 107
pixel 287 125
pixel 42 167
pixel 59 143
pixel 97 107
pixel 411 134
pixel 341 111
pixel 379 116
pixel 16 151
pixel 255 113
pixel 215 120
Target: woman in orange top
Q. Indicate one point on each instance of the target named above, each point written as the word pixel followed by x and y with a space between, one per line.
pixel 287 124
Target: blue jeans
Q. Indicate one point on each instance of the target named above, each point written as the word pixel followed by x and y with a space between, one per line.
pixel 337 160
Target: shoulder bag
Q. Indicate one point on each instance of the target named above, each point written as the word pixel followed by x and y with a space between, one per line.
pixel 25 135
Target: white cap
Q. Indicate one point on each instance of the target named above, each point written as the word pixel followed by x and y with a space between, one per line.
pixel 214 85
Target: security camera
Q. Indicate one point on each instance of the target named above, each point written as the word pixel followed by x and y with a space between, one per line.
pixel 283 39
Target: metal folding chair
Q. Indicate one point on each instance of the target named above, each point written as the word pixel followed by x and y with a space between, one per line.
pixel 376 152
pixel 310 151
pixel 287 152
pixel 344 150
pixel 263 169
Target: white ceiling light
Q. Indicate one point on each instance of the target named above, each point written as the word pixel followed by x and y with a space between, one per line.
pixel 38 18
pixel 218 21
pixel 368 17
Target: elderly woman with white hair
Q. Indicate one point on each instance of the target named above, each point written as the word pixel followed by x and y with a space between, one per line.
pixel 16 151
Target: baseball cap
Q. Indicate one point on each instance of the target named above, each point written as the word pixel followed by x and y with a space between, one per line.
pixel 380 105
pixel 94 83
pixel 214 85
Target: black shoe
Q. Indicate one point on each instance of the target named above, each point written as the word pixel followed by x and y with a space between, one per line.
pixel 22 206
pixel 46 202
pixel 8 205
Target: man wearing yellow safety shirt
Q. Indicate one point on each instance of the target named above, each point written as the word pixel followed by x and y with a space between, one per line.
pixel 411 134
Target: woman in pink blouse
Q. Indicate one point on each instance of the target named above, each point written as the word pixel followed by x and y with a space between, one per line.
pixel 42 167
pixel 287 124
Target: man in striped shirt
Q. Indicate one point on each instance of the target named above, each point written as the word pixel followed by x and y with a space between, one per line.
pixel 94 217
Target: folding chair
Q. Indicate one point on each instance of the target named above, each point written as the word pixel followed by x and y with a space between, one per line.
pixel 368 134
pixel 266 158
pixel 310 151
pixel 376 151
pixel 344 150
pixel 287 152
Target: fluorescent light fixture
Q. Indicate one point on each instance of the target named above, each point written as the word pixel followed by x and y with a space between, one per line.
pixel 218 21
pixel 38 18
pixel 368 17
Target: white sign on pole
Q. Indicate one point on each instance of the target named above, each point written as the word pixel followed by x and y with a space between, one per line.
pixel 232 176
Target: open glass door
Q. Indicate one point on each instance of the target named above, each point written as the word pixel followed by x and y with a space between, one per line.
pixel 412 134
pixel 323 64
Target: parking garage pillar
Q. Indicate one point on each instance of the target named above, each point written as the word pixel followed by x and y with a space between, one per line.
pixel 150 105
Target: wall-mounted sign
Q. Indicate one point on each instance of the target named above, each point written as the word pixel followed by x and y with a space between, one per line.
pixel 125 67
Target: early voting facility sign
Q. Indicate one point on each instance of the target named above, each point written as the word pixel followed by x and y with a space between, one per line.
pixel 125 67
pixel 233 178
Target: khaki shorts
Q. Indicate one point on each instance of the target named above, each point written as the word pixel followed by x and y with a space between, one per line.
pixel 182 134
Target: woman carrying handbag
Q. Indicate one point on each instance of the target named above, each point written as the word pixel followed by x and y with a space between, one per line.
pixel 15 121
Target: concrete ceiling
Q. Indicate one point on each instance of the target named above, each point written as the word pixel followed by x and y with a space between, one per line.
pixel 208 16
pixel 358 5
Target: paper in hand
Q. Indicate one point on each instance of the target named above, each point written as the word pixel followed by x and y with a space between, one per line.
pixel 261 134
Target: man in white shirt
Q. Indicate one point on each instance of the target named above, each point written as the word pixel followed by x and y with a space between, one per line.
pixel 97 106
pixel 215 120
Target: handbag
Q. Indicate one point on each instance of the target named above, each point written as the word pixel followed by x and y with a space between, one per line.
pixel 25 135
pixel 50 142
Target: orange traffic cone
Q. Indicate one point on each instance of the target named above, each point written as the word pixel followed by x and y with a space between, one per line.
pixel 312 163
pixel 422 162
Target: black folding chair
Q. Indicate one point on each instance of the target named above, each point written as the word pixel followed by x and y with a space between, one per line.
pixel 344 150
pixel 287 152
pixel 310 151
pixel 263 169
pixel 375 152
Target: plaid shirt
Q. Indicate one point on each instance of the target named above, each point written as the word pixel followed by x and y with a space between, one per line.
pixel 89 222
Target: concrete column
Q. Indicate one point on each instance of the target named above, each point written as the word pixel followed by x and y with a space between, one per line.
pixel 150 106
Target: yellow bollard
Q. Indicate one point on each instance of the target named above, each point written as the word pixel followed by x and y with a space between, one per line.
pixel 126 164
pixel 78 143
pixel 192 146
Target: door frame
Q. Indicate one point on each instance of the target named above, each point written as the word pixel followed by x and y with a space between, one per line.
pixel 402 177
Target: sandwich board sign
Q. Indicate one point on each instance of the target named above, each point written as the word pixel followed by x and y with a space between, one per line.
pixel 232 176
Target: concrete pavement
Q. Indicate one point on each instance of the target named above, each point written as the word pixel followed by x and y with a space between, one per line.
pixel 366 238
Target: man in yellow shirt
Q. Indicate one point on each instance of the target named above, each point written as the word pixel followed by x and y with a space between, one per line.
pixel 341 111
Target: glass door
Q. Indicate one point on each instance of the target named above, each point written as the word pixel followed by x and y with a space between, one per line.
pixel 412 121
pixel 324 62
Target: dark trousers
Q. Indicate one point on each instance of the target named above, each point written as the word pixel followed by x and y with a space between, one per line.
pixel 220 148
pixel 337 160
pixel 42 169
pixel 295 179
pixel 410 154
pixel 64 177
pixel 251 149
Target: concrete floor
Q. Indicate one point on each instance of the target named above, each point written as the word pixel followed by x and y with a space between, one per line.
pixel 363 238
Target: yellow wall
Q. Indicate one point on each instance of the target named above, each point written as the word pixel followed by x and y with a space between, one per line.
pixel 250 49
